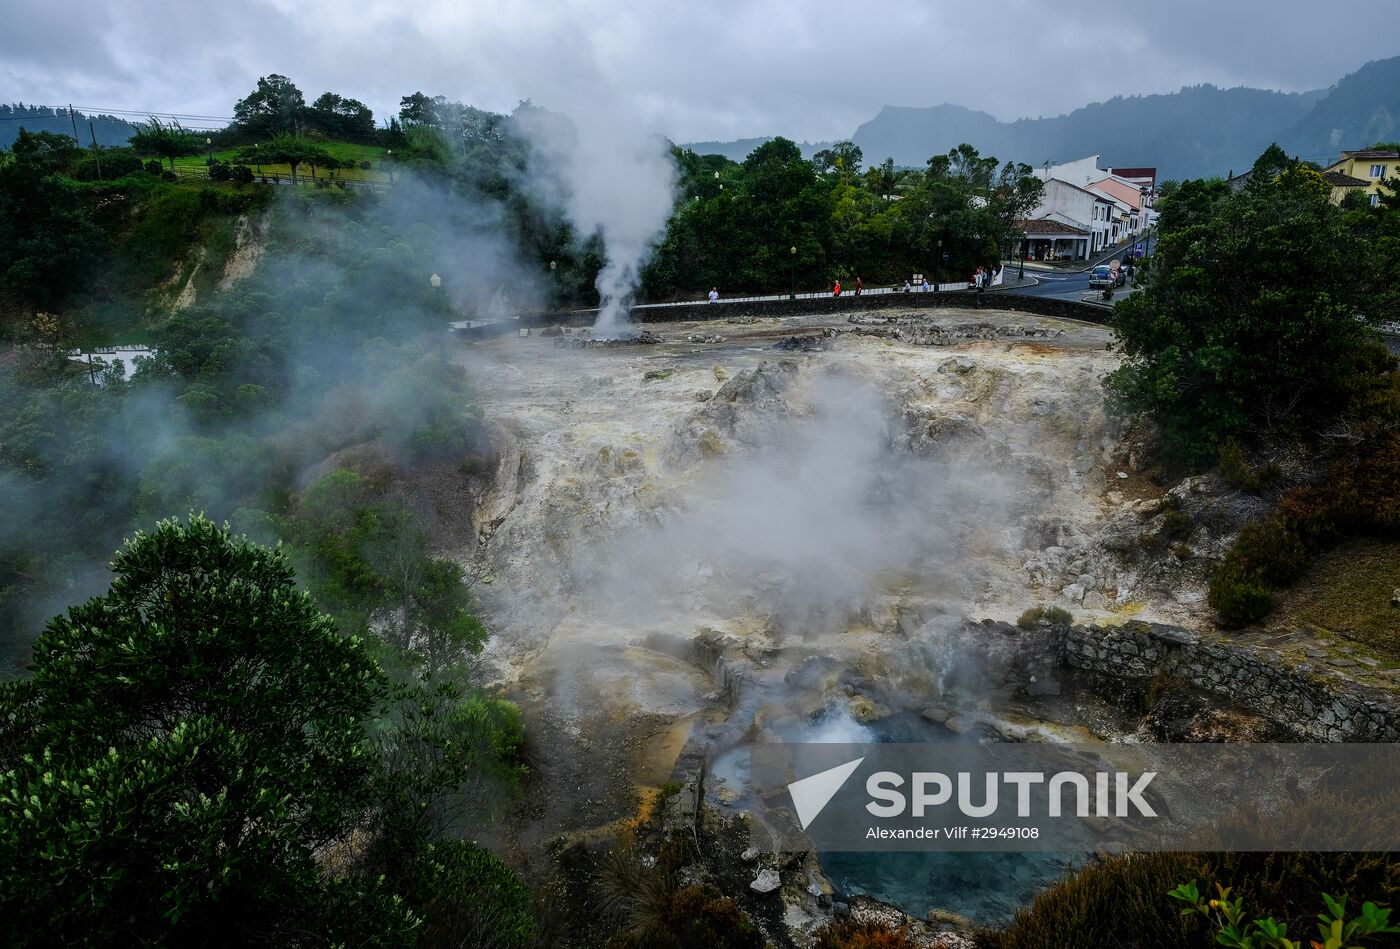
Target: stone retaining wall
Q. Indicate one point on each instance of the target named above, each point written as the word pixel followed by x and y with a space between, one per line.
pixel 1295 695
pixel 1041 306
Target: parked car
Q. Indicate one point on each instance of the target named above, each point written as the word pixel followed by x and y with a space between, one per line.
pixel 1105 276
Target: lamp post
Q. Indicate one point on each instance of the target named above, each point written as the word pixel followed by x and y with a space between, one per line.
pixel 792 252
pixel 1021 273
pixel 938 267
pixel 209 147
pixel 389 160
pixel 553 283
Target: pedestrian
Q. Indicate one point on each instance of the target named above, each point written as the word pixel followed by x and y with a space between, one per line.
pixel 714 294
pixel 925 287
pixel 907 286
pixel 859 286
pixel 837 291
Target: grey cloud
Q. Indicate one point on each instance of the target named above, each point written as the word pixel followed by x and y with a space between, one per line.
pixel 726 69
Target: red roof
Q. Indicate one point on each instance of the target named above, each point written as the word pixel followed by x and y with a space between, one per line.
pixel 1048 226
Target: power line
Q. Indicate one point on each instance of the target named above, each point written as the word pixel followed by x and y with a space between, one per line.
pixel 186 115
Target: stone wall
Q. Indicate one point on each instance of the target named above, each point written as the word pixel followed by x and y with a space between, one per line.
pixel 1295 695
pixel 1041 306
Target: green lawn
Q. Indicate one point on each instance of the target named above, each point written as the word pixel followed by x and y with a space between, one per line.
pixel 1347 593
pixel 373 154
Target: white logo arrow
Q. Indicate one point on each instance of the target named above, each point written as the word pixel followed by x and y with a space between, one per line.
pixel 813 793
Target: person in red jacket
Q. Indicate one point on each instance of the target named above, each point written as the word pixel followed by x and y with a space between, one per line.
pixel 837 291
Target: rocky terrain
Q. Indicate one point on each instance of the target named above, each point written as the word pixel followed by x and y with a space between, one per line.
pixel 820 499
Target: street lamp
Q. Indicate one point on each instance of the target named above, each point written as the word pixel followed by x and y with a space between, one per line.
pixel 209 146
pixel 389 159
pixel 435 281
pixel 938 267
pixel 792 252
pixel 554 284
pixel 1021 273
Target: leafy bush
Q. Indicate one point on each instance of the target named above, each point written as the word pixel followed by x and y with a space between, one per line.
pixel 1236 470
pixel 1234 927
pixel 1237 596
pixel 1271 549
pixel 1267 553
pixel 850 933
pixel 473 899
pixel 1118 901
pixel 1053 615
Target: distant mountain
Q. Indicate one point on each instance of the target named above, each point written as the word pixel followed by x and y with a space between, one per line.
pixel 1199 131
pixel 1196 132
pixel 1362 109
pixel 110 130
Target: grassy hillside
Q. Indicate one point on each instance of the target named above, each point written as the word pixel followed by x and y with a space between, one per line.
pixel 373 155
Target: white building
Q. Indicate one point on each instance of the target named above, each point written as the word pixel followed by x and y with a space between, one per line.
pixel 1088 216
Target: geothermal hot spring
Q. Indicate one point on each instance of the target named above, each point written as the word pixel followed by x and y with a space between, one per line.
pixel 820 504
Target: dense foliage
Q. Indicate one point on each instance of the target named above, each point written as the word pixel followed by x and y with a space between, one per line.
pixel 1251 313
pixel 1254 330
pixel 1122 901
pixel 778 219
pixel 192 760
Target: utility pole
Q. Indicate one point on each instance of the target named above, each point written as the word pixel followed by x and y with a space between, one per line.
pixel 96 152
pixel 74 119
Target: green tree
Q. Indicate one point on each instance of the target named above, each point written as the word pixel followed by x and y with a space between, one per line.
pixel 275 107
pixel 165 140
pixel 186 743
pixel 191 759
pixel 48 232
pixel 339 117
pixel 1251 315
pixel 842 159
pixel 291 150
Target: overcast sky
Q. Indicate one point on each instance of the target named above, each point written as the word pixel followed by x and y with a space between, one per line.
pixel 695 69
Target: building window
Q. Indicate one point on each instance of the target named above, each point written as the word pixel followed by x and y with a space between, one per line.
pixel 1377 171
pixel 1375 200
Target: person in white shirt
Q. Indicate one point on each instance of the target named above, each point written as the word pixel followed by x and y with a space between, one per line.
pixel 714 294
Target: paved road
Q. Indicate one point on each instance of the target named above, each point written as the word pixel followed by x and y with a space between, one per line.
pixel 1069 285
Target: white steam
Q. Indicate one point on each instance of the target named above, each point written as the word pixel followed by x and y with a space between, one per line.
pixel 612 179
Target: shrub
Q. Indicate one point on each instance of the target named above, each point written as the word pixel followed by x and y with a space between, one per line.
pixel 154 167
pixel 472 899
pixel 696 917
pixel 1237 472
pixel 849 933
pixel 1053 615
pixel 1270 549
pixel 242 174
pixel 1237 596
pixel 1114 903
pixel 1176 525
pixel 365 166
pixel 1120 901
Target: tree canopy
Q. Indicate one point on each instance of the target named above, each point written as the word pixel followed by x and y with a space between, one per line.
pixel 1252 312
pixel 194 742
